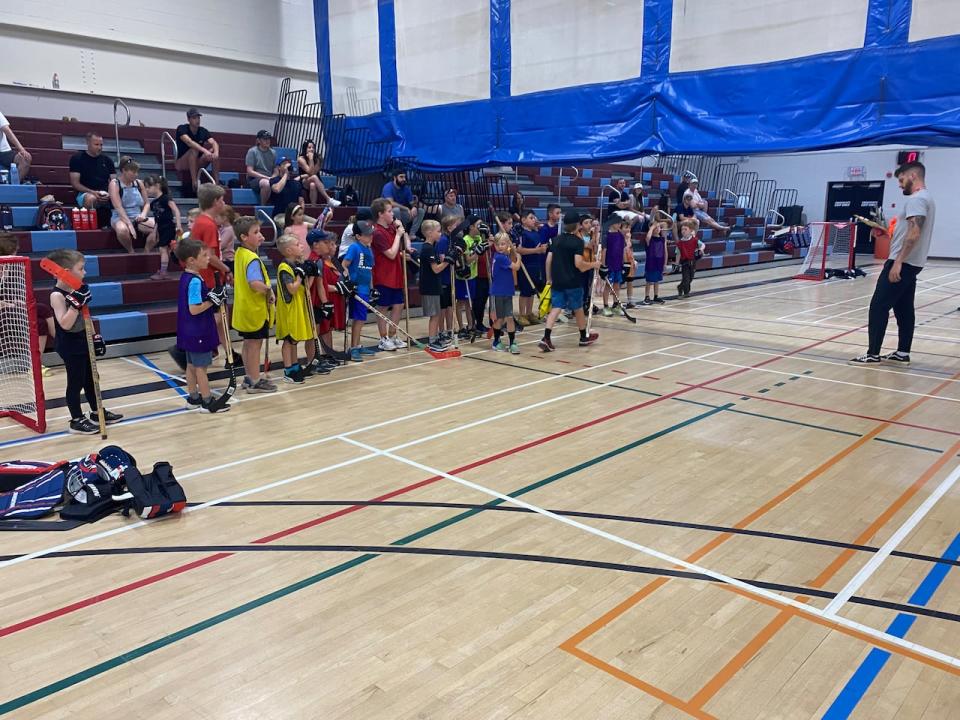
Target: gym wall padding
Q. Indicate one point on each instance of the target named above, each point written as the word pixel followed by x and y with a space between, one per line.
pixel 665 76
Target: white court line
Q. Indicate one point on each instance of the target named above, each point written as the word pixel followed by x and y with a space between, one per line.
pixel 802 608
pixel 890 545
pixel 853 299
pixel 835 363
pixel 867 307
pixel 342 436
pixel 826 380
pixel 250 398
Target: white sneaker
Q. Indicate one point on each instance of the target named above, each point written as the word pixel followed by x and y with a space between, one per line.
pixel 398 344
pixel 332 202
pixel 386 344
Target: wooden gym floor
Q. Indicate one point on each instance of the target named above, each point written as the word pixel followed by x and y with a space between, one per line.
pixel 707 514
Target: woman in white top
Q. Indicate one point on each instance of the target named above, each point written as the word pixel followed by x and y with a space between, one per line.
pixel 309 164
pixel 131 206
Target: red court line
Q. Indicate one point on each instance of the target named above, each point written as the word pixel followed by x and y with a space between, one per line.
pixel 153 579
pixel 707 386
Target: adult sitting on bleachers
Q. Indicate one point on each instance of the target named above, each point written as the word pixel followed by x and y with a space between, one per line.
pixel 636 198
pixel 12 151
pixel 692 201
pixel 261 162
pixel 90 174
pixel 196 149
pixel 284 187
pixel 131 206
pixel 405 206
pixel 681 189
pixel 518 208
pixel 618 198
pixel 310 168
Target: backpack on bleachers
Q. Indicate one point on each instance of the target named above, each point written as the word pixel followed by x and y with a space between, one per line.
pixel 30 489
pixel 51 215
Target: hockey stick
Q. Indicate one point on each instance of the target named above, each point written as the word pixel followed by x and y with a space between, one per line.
pixel 616 297
pixel 219 403
pixel 71 280
pixel 438 354
pixel 406 292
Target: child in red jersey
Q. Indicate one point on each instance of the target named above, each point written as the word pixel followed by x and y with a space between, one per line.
pixel 329 306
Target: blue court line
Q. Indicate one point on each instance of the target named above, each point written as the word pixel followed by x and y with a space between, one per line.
pixel 858 685
pixel 163 376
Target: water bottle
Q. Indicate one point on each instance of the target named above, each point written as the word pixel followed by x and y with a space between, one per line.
pixel 14 174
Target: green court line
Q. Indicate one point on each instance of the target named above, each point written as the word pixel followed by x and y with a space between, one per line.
pixel 136 653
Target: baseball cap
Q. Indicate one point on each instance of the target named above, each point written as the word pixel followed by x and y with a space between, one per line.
pixel 638 186
pixel 317 235
pixel 572 217
pixel 471 219
pixel 282 159
pixel 264 134
pixel 362 227
pixel 364 213
pixel 193 112
pixel 692 180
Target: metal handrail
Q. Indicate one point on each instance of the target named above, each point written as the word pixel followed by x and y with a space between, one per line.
pixel 776 214
pixel 731 193
pixel 276 232
pixel 560 180
pixel 116 125
pixel 163 152
pixel 201 173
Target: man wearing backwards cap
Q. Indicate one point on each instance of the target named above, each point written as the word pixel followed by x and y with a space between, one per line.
pixel 261 161
pixel 196 148
pixel 565 263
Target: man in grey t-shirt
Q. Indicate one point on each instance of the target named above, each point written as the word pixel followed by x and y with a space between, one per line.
pixel 261 161
pixel 897 283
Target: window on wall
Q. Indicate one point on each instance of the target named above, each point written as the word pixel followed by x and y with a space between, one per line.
pixel 354 56
pixel 563 43
pixel 708 34
pixel 443 51
pixel 934 18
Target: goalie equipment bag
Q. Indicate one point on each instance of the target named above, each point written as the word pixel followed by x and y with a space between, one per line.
pixel 90 490
pixel 30 489
pixel 154 494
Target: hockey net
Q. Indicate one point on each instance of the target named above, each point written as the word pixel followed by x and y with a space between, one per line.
pixel 21 387
pixel 831 246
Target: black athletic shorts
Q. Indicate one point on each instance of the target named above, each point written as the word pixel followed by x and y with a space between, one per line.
pixel 260 334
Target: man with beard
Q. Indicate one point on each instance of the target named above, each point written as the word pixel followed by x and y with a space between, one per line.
pixel 897 282
pixel 404 205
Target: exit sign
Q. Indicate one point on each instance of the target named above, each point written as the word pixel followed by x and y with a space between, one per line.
pixel 907 156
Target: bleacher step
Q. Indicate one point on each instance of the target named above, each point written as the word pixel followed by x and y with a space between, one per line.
pixel 127 147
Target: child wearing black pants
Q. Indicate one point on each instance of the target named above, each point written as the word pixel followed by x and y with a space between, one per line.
pixel 71 345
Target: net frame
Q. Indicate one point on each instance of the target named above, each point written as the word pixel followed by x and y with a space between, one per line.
pixel 830 243
pixel 20 368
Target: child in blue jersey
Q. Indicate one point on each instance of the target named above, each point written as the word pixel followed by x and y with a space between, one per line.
pixel 533 249
pixel 358 265
pixel 505 263
pixel 448 224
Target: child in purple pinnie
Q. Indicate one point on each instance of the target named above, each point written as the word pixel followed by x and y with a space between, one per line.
pixel 656 261
pixel 614 245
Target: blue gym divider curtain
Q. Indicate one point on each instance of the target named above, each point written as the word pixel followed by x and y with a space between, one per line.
pixel 486 82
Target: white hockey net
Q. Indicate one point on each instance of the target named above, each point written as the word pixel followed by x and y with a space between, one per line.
pixel 831 247
pixel 21 388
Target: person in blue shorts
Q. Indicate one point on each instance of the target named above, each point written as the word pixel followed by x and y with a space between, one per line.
pixel 565 265
pixel 358 265
pixel 613 245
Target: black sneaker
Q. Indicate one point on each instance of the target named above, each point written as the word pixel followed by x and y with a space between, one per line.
pixel 658 300
pixel 897 358
pixel 306 371
pixel 546 345
pixel 589 339
pixel 194 403
pixel 647 301
pixel 293 376
pixel 83 426
pixel 865 359
pixel 109 417
pixel 209 407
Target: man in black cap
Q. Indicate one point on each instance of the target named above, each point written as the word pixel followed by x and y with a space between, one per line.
pixel 565 263
pixel 261 161
pixel 196 148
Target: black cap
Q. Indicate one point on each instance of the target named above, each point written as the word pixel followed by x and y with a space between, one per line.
pixel 362 227
pixel 364 213
pixel 193 112
pixel 471 219
pixel 264 134
pixel 572 217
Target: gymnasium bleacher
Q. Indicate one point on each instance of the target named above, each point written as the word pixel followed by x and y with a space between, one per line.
pixel 128 306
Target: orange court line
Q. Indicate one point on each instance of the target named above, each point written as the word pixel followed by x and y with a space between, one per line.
pixel 725 675
pixel 771 629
